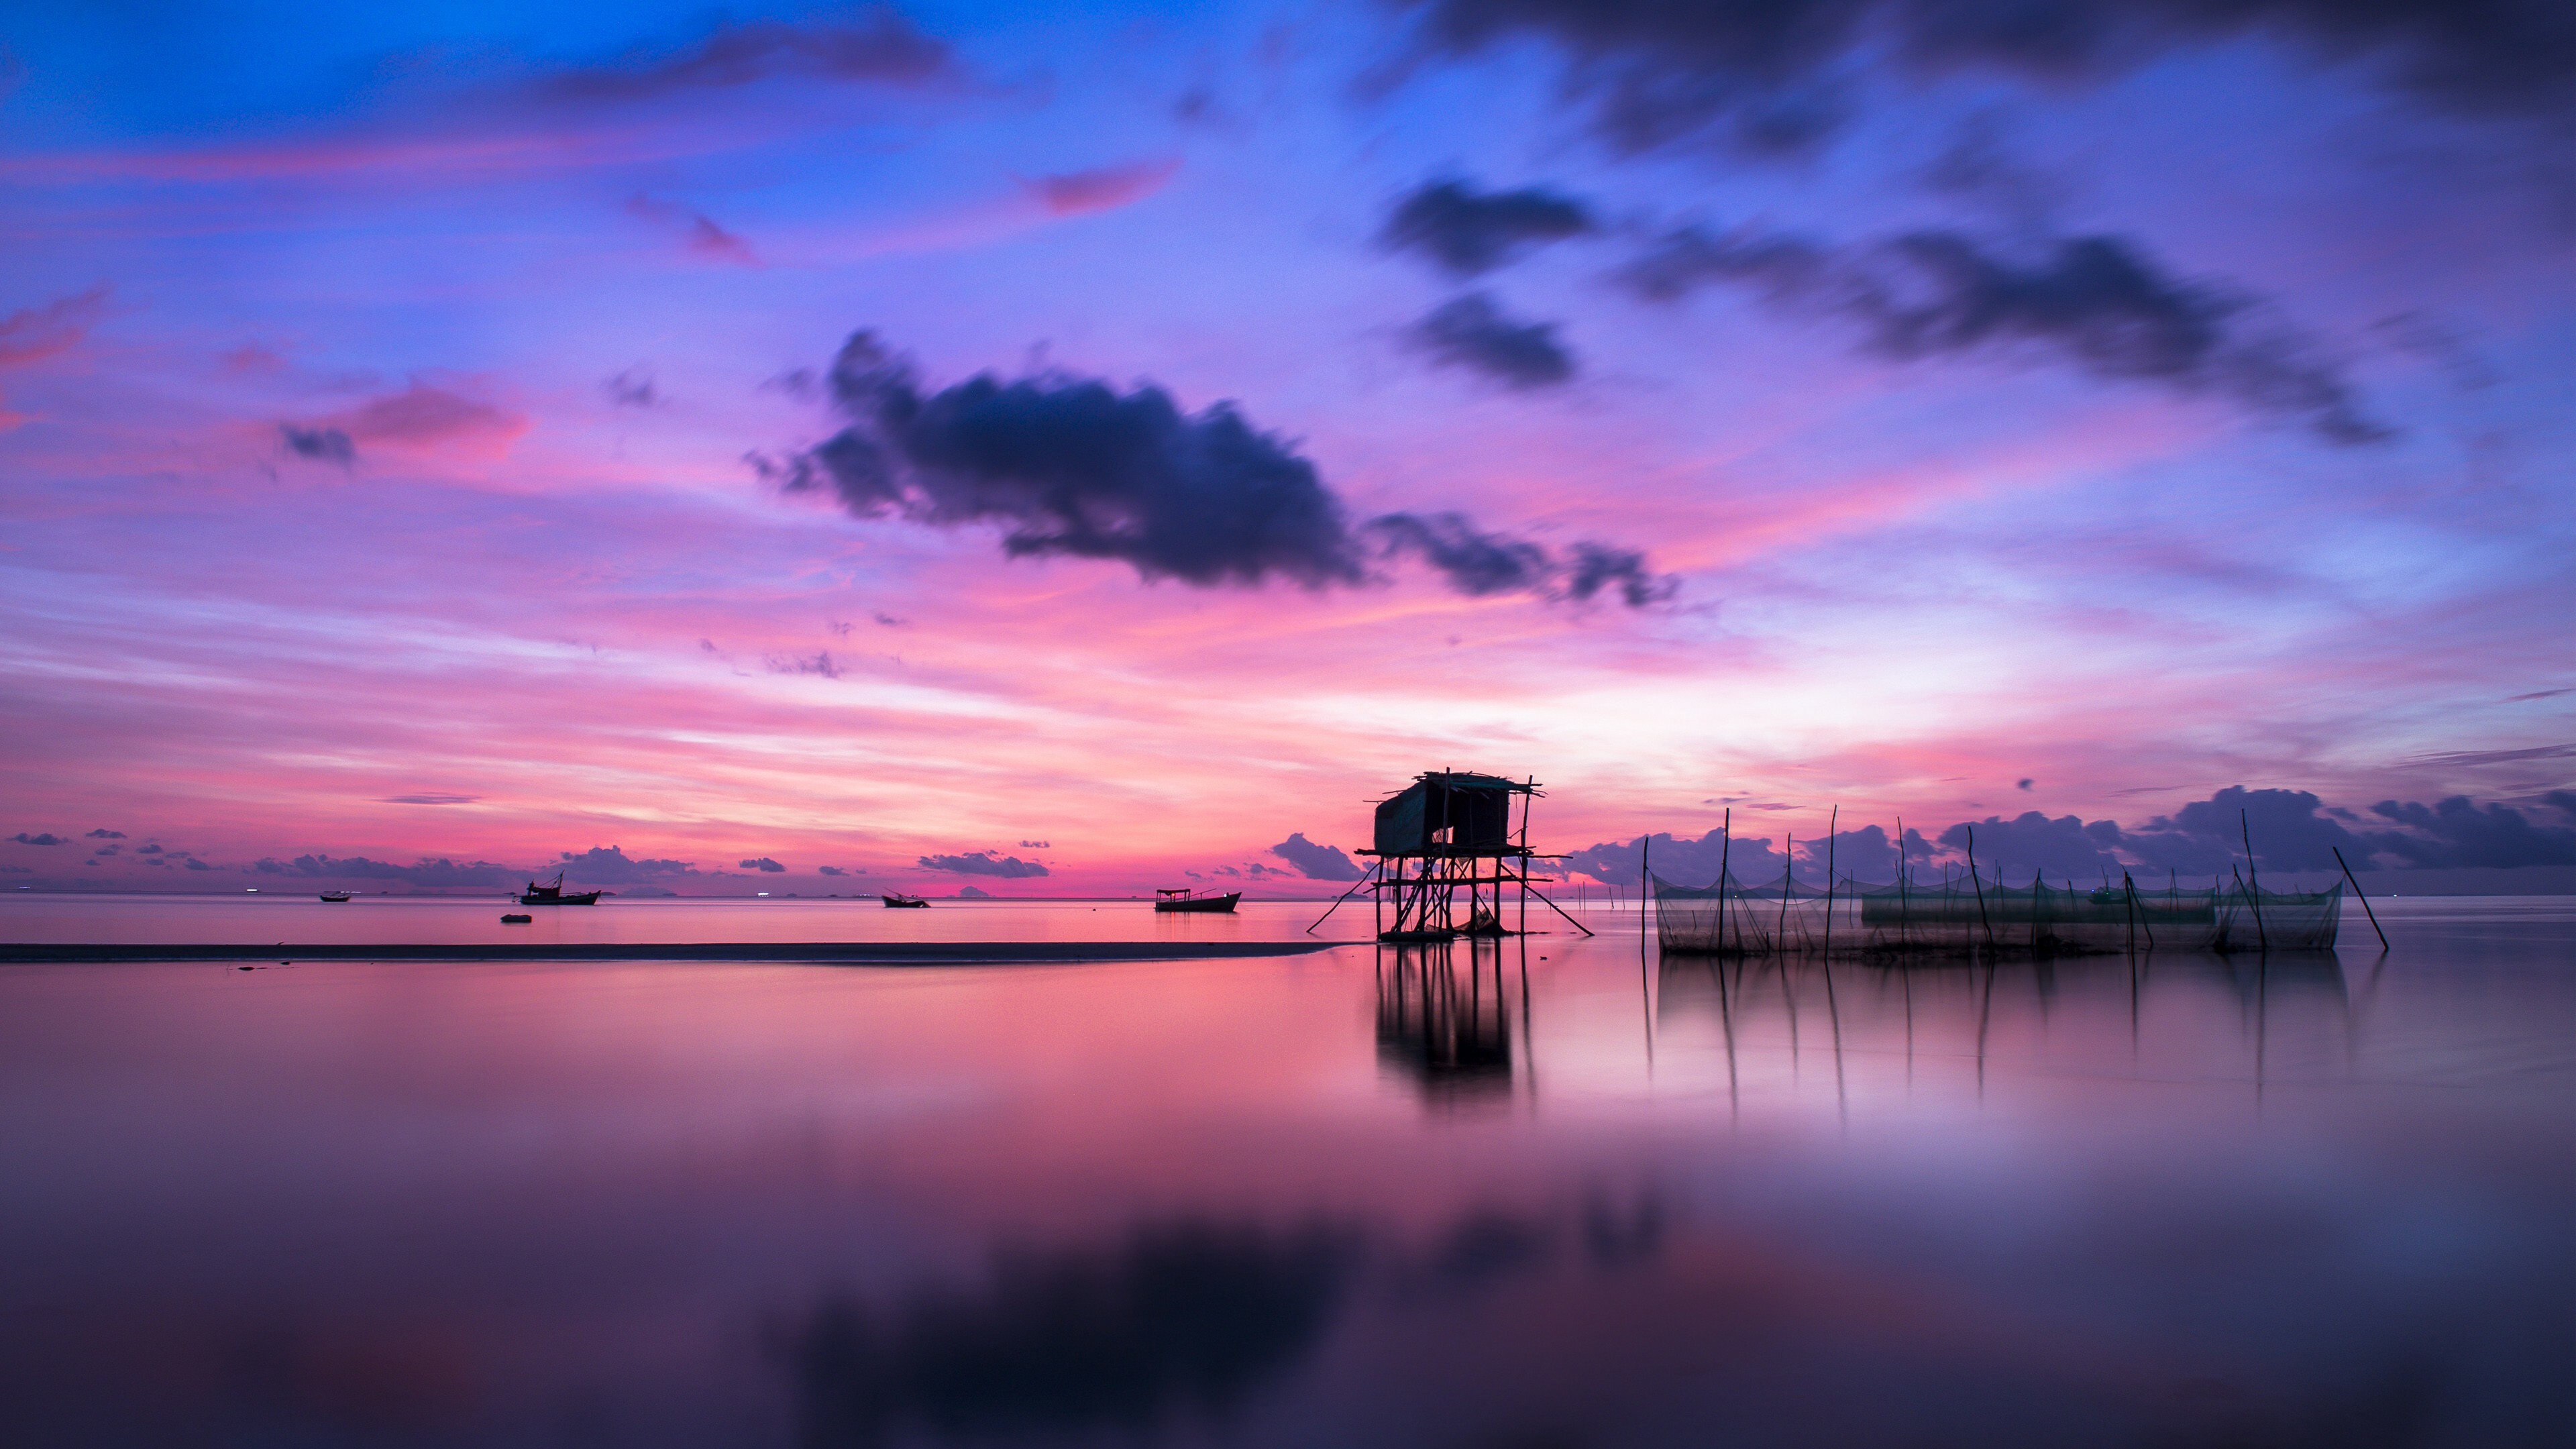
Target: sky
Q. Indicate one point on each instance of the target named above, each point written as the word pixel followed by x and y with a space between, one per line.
pixel 1067 449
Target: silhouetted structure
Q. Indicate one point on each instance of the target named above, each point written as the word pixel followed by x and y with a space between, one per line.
pixel 1449 832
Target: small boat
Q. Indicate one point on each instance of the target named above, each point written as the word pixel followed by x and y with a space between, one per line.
pixel 1182 898
pixel 905 903
pixel 517 920
pixel 552 894
pixel 335 896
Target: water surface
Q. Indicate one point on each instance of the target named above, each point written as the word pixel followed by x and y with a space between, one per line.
pixel 1358 1197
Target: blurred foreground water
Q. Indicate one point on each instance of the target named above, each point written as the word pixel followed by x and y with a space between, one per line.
pixel 1445 1197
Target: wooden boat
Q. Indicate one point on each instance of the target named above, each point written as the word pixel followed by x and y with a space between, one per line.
pixel 517 920
pixel 1182 898
pixel 905 903
pixel 552 894
pixel 335 896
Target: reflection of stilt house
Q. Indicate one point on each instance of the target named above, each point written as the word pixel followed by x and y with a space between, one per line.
pixel 1448 833
pixel 1448 1029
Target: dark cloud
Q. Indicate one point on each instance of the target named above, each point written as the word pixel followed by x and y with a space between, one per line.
pixel 764 864
pixel 2291 830
pixel 1866 854
pixel 633 388
pixel 1317 862
pixel 1469 233
pixel 1473 332
pixel 609 865
pixel 984 862
pixel 193 863
pixel 1595 567
pixel 1778 75
pixel 1037 845
pixel 1680 861
pixel 322 445
pixel 106 834
pixel 1075 1343
pixel 147 850
pixel 48 838
pixel 1475 563
pixel 2064 847
pixel 438 872
pixel 882 48
pixel 2458 832
pixel 1071 466
pixel 820 663
pixel 2097 302
pixel 830 870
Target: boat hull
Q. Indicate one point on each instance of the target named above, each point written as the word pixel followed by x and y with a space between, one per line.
pixel 1215 905
pixel 904 903
pixel 585 898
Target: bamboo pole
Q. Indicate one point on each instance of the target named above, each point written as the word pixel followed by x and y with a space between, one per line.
pixel 1788 873
pixel 2364 899
pixel 1725 843
pixel 1346 895
pixel 1832 822
pixel 2254 882
pixel 1983 921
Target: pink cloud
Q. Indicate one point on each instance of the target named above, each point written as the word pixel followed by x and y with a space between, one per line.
pixel 703 237
pixel 419 419
pixel 1103 188
pixel 34 333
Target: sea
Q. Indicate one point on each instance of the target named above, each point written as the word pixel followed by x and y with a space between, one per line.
pixel 1556 1190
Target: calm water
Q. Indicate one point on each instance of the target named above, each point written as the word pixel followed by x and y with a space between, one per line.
pixel 1340 1199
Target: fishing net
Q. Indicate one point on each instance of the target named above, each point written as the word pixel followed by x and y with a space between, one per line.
pixel 1971 913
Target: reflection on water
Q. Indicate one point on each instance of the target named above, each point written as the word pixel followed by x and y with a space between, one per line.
pixel 1177 1319
pixel 2175 1200
pixel 1442 1018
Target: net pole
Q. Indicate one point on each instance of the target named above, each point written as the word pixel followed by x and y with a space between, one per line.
pixel 1983 921
pixel 1725 842
pixel 2253 882
pixel 1832 823
pixel 2363 898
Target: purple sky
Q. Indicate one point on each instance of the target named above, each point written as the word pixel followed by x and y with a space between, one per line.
pixel 437 431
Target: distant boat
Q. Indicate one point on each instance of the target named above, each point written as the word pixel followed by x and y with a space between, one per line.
pixel 335 895
pixel 517 920
pixel 903 902
pixel 1184 899
pixel 552 894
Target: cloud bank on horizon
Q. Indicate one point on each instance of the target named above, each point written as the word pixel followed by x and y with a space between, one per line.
pixel 1888 401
